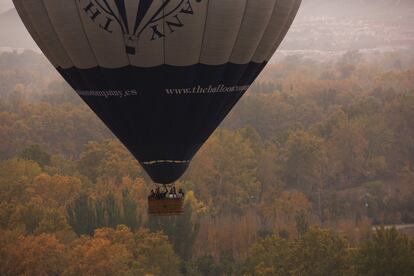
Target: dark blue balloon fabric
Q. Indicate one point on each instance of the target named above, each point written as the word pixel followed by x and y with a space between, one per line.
pixel 163 115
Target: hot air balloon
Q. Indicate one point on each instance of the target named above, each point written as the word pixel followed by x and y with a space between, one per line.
pixel 161 74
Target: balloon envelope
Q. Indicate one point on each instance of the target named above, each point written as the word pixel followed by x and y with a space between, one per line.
pixel 161 74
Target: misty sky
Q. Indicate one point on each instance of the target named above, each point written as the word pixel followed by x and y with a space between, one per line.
pixel 323 25
pixel 5 5
pixel 324 7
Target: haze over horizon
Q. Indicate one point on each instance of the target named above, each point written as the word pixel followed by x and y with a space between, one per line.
pixel 310 173
pixel 322 28
pixel 6 5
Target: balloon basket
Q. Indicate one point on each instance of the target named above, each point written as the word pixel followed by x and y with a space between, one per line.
pixel 165 206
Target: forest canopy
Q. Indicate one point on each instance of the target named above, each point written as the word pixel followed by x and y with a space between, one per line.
pixel 315 155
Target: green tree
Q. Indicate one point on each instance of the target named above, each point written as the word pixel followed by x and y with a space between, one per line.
pixel 27 217
pixel 54 222
pixel 82 216
pixel 108 159
pixel 388 253
pixel 269 256
pixel 181 230
pixel 302 225
pixel 37 154
pixel 229 166
pixel 90 160
pixel 130 210
pixel 15 177
pixel 154 255
pixel 61 166
pixel 109 209
pixel 208 266
pixel 319 252
pixel 304 161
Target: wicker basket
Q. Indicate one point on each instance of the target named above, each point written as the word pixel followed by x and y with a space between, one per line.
pixel 165 206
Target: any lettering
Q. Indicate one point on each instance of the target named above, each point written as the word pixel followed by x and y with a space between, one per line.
pixel 177 24
pixel 107 25
pixel 93 13
pixel 188 9
pixel 155 33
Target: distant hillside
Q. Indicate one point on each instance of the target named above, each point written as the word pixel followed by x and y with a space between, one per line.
pixel 356 8
pixel 12 31
pixel 343 25
pixel 321 25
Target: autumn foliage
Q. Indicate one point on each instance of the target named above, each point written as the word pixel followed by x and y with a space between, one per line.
pixel 292 182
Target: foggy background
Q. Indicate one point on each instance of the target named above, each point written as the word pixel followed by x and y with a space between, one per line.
pixel 322 29
pixel 311 163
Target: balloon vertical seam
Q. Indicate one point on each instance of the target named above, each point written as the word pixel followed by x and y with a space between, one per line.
pixel 240 28
pixel 204 31
pixel 86 34
pixel 56 33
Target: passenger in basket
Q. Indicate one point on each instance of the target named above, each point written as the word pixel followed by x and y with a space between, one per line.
pixel 169 194
pixel 181 193
pixel 173 192
pixel 157 192
pixel 165 193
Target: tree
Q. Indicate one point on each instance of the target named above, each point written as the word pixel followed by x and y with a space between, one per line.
pixel 181 230
pixel 347 153
pixel 90 160
pixel 130 210
pixel 229 166
pixel 99 256
pixel 270 170
pixel 150 253
pixel 208 266
pixel 108 159
pixel 387 253
pixel 319 252
pixel 15 177
pixel 82 215
pixel 55 191
pixel 61 166
pixel 269 256
pixel 54 222
pixel 108 209
pixel 347 64
pixel 284 209
pixel 304 161
pixel 33 255
pixel 27 217
pixel 302 225
pixel 154 255
pixel 37 154
pixel 120 235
